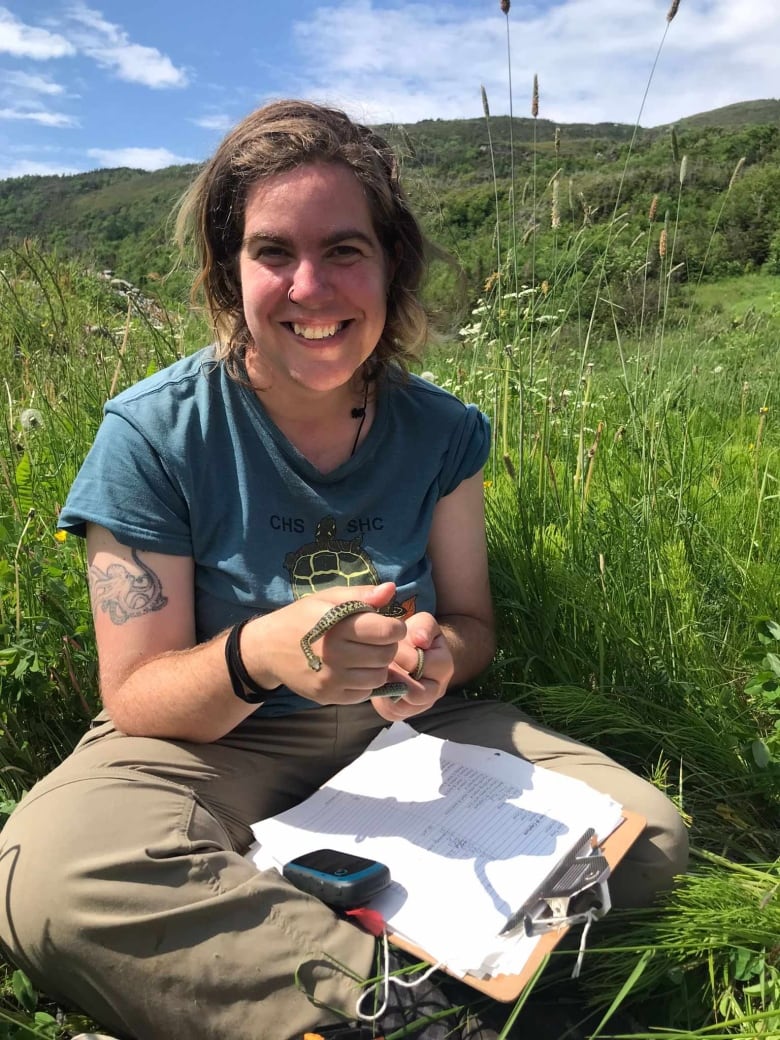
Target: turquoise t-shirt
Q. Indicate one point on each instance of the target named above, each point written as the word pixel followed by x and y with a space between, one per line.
pixel 188 462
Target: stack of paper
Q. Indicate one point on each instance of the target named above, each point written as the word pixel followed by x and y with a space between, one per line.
pixel 468 833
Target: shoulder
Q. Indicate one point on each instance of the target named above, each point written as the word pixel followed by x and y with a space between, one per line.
pixel 415 394
pixel 421 403
pixel 191 379
pixel 456 436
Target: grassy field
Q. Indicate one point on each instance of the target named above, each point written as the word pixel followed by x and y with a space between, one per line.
pixel 634 539
pixel 633 524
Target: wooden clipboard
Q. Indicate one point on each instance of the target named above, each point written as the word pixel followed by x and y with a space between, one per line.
pixel 509 987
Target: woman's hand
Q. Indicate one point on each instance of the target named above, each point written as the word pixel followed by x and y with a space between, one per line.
pixel 424 632
pixel 357 654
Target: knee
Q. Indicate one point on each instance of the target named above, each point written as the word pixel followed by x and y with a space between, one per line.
pixel 656 858
pixel 30 886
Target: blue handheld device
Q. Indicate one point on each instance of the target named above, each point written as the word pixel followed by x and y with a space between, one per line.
pixel 339 879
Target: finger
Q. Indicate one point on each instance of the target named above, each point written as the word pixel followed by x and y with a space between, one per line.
pixel 405 708
pixel 423 630
pixel 377 629
pixel 375 595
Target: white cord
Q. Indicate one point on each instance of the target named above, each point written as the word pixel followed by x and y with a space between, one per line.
pixel 583 940
pixel 385 981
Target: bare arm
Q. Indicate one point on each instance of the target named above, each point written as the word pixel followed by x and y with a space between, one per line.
pixel 157 681
pixel 154 679
pixel 460 641
pixel 458 553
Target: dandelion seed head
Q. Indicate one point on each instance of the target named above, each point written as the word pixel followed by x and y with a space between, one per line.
pixel 31 419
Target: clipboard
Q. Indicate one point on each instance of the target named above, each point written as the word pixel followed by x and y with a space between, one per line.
pixel 506 988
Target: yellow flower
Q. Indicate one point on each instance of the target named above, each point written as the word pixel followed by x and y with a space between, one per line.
pixel 60 536
pixel 487 483
pixel 763 410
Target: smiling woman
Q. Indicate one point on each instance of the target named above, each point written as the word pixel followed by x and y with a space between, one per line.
pixel 314 281
pixel 277 140
pixel 286 547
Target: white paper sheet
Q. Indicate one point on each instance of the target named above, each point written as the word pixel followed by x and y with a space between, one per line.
pixel 468 833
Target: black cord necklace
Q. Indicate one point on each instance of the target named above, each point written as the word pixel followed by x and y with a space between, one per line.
pixel 360 413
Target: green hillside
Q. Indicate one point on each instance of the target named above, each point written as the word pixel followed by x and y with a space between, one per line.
pixel 744 113
pixel 464 177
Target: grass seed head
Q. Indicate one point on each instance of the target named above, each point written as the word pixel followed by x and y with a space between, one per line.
pixel 535 97
pixel 675 146
pixel 662 244
pixel 672 10
pixel 683 169
pixel 555 219
pixel 737 171
pixel 505 5
pixel 485 105
pixel 653 209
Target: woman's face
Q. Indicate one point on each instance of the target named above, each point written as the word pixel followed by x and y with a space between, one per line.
pixel 314 278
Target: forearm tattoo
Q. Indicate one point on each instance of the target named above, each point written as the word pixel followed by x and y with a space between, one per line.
pixel 123 594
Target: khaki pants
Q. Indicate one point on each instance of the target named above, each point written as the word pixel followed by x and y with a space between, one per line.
pixel 127 892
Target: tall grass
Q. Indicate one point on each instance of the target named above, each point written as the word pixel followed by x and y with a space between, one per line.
pixel 632 502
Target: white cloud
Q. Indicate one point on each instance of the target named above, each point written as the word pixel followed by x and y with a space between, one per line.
pixel 28 41
pixel 32 84
pixel 138 158
pixel 43 118
pixel 415 60
pixel 110 47
pixel 28 167
pixel 218 121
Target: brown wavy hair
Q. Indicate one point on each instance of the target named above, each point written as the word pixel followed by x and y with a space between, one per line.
pixel 275 139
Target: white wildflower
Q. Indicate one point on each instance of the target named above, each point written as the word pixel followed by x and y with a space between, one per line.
pixel 31 419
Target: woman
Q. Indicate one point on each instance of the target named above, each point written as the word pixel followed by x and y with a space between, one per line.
pixel 229 504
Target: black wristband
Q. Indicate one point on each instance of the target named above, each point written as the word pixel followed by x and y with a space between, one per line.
pixel 240 679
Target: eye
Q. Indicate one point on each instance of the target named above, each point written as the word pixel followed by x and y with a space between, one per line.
pixel 346 251
pixel 270 254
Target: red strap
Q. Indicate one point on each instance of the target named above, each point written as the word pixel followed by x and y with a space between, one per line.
pixel 370 920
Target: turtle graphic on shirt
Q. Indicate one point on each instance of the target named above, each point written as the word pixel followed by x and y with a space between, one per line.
pixel 330 562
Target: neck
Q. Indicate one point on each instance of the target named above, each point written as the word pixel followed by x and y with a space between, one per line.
pixel 326 428
pixel 286 400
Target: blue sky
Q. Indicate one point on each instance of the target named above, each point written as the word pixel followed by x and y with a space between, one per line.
pixel 86 84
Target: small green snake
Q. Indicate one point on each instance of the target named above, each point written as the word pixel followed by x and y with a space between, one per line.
pixel 329 620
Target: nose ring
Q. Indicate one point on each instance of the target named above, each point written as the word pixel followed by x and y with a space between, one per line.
pixel 290 294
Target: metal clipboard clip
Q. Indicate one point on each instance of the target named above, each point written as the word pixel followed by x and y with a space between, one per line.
pixel 575 892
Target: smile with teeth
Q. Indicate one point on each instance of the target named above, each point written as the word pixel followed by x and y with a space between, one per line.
pixel 317 331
